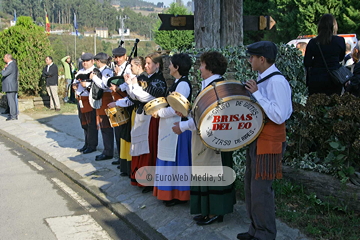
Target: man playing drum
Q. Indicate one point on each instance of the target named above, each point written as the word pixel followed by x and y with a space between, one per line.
pixel 264 155
pixel 211 202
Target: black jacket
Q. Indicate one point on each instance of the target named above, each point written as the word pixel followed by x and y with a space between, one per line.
pixel 51 76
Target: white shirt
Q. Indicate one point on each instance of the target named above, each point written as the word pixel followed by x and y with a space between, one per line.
pixel 102 83
pixel 182 88
pixel 80 89
pixel 274 96
pixel 48 66
pixel 190 124
pixel 127 70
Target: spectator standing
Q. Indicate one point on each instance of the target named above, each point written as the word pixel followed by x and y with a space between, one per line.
pixel 333 48
pixel 353 85
pixel 69 70
pixel 80 61
pixel 51 75
pixel 302 47
pixel 10 85
pixel 348 61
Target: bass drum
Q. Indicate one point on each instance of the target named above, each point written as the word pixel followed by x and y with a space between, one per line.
pixel 226 117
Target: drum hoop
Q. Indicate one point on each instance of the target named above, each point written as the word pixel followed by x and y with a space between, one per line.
pixel 226 99
pixel 210 87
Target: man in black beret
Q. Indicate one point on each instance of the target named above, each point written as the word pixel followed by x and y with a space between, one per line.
pixel 87 114
pixel 120 58
pixel 102 121
pixel 264 155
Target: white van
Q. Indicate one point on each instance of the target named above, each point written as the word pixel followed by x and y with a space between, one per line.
pixel 349 38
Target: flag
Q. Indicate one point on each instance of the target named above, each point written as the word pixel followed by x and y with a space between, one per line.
pixel 75 25
pixel 47 24
pixel 15 16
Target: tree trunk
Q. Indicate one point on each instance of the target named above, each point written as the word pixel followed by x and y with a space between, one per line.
pixel 218 23
pixel 326 187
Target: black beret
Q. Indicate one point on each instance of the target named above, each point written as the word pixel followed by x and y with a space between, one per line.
pixel 266 49
pixel 87 57
pixel 116 80
pixel 101 55
pixel 120 51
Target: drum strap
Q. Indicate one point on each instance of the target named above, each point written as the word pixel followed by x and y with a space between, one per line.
pixel 269 76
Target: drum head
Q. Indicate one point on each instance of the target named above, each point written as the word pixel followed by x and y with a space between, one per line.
pixel 154 105
pixel 231 125
pixel 179 103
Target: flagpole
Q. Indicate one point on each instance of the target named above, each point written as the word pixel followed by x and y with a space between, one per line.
pixel 75 47
pixel 75 27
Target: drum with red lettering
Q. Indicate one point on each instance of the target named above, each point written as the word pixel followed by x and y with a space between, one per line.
pixel 225 116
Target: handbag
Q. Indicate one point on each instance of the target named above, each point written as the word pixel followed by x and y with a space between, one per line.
pixel 339 76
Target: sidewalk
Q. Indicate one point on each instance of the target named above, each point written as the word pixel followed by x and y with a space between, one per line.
pixel 56 138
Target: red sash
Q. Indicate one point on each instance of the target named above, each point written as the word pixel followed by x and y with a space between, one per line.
pixel 269 151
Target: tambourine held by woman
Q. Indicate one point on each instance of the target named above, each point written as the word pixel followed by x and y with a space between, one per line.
pixel 179 103
pixel 154 105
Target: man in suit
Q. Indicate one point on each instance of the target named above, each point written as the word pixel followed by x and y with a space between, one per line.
pixel 10 86
pixel 51 75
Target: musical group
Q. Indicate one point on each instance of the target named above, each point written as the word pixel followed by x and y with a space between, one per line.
pixel 168 138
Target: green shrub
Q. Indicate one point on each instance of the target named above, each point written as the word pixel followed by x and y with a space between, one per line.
pixel 324 135
pixel 29 45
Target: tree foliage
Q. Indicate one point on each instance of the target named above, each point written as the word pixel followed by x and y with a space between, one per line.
pixel 29 45
pixel 89 14
pixel 176 39
pixel 300 17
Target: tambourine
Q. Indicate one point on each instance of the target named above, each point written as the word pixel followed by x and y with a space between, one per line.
pixel 179 103
pixel 154 105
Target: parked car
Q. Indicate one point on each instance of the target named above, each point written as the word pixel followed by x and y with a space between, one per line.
pixel 349 38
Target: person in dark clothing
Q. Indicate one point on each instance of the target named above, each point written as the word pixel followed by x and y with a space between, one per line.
pixel 51 75
pixel 10 85
pixel 353 85
pixel 333 48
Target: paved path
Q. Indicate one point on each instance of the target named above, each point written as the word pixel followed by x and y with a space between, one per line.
pixel 56 138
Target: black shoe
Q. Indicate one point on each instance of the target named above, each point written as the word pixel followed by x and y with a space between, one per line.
pixel 117 162
pixel 174 202
pixel 81 149
pixel 10 119
pixel 123 174
pixel 244 236
pixel 208 220
pixel 199 217
pixel 102 157
pixel 147 189
pixel 88 150
pixel 5 112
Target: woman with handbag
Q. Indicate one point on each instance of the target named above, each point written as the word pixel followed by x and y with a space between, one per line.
pixel 324 54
